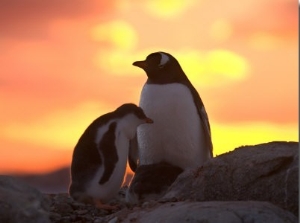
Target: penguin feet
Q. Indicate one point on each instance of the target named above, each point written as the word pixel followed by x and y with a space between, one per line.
pixel 83 198
pixel 102 206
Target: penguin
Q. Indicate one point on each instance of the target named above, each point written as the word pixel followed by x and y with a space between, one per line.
pixel 100 155
pixel 181 134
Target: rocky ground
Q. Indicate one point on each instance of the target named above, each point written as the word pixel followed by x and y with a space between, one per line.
pixel 64 209
pixel 250 184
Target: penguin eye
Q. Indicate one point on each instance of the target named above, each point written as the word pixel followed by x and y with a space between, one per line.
pixel 160 66
pixel 154 59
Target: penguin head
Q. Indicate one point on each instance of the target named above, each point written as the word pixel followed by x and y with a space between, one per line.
pixel 130 117
pixel 161 67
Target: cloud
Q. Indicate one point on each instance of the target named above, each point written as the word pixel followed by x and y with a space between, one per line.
pixel 29 19
pixel 56 55
pixel 211 68
pixel 12 10
pixel 118 33
pixel 22 157
pixel 228 137
pixel 278 19
pixel 221 30
pixel 269 94
pixel 166 8
pixel 61 128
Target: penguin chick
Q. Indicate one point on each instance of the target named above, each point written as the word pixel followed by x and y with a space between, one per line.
pixel 181 133
pixel 99 158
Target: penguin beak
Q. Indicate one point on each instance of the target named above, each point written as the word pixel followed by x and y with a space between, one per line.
pixel 142 64
pixel 149 120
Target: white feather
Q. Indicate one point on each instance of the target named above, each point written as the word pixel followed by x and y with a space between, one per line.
pixel 176 135
pixel 164 59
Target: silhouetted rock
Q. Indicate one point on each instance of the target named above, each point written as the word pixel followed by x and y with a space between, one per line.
pixel 20 202
pixel 265 172
pixel 53 182
pixel 57 181
pixel 208 212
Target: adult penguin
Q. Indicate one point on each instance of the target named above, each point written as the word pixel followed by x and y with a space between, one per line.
pixel 181 133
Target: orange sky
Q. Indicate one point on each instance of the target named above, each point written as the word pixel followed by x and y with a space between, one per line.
pixel 64 63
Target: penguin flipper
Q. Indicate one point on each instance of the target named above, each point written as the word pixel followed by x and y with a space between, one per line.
pixel 206 128
pixel 203 117
pixel 133 154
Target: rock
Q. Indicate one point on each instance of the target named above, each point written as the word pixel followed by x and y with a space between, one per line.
pixel 57 181
pixel 64 209
pixel 186 211
pixel 20 202
pixel 265 172
pixel 209 212
pixel 251 184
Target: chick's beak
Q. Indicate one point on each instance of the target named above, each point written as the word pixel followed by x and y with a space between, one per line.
pixel 142 64
pixel 149 120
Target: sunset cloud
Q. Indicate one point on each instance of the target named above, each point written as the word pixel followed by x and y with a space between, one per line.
pixel 265 41
pixel 22 157
pixel 64 63
pixel 279 21
pixel 221 30
pixel 46 131
pixel 166 8
pixel 212 68
pixel 30 19
pixel 226 138
pixel 118 33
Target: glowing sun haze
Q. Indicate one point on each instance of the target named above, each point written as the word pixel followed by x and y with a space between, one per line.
pixel 64 63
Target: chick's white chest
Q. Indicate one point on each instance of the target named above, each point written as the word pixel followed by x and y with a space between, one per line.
pixel 175 135
pixel 105 192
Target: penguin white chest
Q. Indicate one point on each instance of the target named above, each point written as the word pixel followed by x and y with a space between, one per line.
pixel 109 189
pixel 175 136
